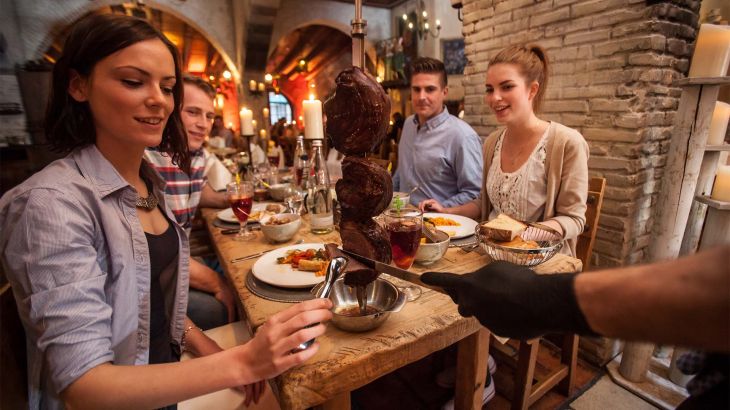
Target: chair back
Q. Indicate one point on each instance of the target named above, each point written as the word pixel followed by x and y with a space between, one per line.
pixel 14 380
pixel 584 247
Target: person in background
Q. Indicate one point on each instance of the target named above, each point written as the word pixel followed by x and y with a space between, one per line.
pixel 683 302
pixel 97 263
pixel 211 301
pixel 534 170
pixel 438 152
pixel 220 130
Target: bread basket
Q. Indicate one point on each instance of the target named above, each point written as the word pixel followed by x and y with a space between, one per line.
pixel 548 240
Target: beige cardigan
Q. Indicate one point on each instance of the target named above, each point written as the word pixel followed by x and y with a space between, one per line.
pixel 566 166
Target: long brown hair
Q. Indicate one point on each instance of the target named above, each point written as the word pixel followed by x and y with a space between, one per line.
pixel 69 123
pixel 533 64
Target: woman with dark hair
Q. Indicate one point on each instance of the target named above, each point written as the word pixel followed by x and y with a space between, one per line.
pixel 98 264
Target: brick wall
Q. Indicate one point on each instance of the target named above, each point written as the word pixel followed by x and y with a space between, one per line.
pixel 613 62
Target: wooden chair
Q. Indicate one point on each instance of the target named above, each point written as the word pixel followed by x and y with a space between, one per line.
pixel 584 247
pixel 528 385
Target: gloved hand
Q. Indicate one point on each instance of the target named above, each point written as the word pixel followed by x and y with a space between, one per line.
pixel 514 301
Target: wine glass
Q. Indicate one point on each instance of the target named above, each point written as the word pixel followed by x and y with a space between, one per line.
pixel 404 231
pixel 240 196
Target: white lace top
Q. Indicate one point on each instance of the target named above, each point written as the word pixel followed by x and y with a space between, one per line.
pixel 520 194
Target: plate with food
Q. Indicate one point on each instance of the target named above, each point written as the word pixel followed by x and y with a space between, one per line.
pixel 294 266
pixel 258 211
pixel 456 226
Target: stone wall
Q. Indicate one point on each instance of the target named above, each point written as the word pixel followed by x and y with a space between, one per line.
pixel 612 63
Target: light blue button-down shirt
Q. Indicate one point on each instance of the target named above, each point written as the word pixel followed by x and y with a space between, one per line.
pixel 443 157
pixel 77 258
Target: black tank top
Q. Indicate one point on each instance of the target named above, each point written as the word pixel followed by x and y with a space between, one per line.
pixel 163 250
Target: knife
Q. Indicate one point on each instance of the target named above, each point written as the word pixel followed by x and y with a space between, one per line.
pixel 391 270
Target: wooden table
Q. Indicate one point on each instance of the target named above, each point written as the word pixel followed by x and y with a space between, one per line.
pixel 347 361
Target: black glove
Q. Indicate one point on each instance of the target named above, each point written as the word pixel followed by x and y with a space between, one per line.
pixel 514 301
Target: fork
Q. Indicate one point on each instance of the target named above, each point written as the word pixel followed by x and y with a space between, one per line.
pixel 257 254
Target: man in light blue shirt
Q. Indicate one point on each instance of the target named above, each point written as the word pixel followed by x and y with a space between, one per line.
pixel 438 152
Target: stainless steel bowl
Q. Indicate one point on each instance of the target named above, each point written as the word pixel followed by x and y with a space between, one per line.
pixel 381 294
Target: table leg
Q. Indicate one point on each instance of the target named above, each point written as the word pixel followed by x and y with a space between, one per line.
pixel 339 402
pixel 471 370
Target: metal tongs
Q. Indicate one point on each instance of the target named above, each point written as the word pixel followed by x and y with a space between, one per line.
pixel 334 270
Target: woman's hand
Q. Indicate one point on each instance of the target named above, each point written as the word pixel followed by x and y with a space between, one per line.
pixel 431 205
pixel 269 353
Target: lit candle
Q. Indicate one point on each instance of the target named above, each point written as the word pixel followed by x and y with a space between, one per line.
pixel 262 87
pixel 721 189
pixel 718 125
pixel 262 133
pixel 252 85
pixel 246 125
pixel 313 128
pixel 712 52
pixel 266 113
pixel 253 123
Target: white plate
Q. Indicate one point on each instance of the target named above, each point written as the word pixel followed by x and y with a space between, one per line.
pixel 267 270
pixel 462 231
pixel 227 215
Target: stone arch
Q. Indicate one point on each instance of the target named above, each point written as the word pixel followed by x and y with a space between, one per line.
pixel 369 47
pixel 49 29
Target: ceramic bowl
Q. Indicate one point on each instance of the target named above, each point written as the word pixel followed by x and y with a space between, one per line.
pixel 429 253
pixel 382 297
pixel 279 192
pixel 284 232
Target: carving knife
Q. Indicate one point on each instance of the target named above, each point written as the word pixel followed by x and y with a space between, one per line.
pixel 391 270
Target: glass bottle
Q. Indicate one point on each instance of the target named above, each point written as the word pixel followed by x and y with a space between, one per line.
pixel 301 163
pixel 319 196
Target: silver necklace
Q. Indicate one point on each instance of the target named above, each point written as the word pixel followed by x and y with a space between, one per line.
pixel 149 203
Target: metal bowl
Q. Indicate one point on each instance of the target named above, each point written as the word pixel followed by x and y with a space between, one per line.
pixel 381 294
pixel 548 240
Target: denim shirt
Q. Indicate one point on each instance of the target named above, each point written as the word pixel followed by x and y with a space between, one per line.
pixel 443 157
pixel 77 258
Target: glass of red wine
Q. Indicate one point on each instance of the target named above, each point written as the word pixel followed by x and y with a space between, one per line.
pixel 240 197
pixel 404 231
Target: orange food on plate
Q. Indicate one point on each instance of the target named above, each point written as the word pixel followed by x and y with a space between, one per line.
pixel 311 260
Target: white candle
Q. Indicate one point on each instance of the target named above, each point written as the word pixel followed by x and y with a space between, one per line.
pixel 246 125
pixel 718 125
pixel 252 85
pixel 262 87
pixel 266 113
pixel 721 189
pixel 313 128
pixel 712 52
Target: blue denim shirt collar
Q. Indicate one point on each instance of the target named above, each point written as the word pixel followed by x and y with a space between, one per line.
pixel 102 174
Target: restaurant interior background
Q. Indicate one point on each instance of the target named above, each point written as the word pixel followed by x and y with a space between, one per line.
pixel 613 64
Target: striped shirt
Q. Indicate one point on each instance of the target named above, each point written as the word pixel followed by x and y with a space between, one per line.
pixel 76 256
pixel 182 192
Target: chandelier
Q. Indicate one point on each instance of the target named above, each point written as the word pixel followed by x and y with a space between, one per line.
pixel 422 25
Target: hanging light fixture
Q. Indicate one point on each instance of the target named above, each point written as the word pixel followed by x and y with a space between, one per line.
pixel 422 25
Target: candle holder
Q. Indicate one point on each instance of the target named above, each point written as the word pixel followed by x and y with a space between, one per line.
pixel 246 141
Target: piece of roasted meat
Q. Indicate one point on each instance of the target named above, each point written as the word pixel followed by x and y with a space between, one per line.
pixel 365 189
pixel 356 274
pixel 357 114
pixel 365 238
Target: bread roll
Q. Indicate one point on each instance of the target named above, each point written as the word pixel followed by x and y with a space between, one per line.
pixel 502 228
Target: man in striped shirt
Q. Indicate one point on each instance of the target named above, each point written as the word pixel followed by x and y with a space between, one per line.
pixel 211 302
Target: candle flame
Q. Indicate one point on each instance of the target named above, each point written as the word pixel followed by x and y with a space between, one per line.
pixel 311 97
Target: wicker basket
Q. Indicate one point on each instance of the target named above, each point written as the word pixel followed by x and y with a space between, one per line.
pixel 547 238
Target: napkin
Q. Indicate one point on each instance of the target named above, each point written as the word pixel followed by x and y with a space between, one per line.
pixel 217 173
pixel 227 336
